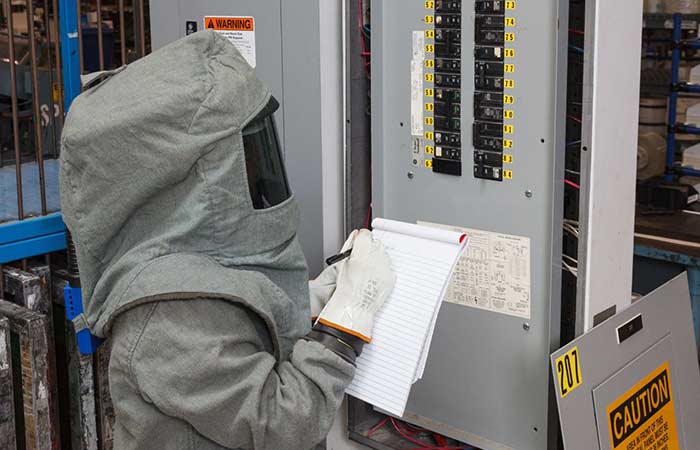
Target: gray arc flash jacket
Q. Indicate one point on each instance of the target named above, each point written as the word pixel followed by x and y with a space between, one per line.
pixel 205 298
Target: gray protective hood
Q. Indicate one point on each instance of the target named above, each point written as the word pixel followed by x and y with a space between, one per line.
pixel 154 191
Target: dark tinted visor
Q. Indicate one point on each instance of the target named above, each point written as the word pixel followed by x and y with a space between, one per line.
pixel 267 178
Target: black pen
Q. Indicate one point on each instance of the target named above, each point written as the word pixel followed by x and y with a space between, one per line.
pixel 337 258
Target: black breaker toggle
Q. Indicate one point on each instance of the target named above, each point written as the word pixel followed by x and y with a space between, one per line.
pixel 489 40
pixel 447 156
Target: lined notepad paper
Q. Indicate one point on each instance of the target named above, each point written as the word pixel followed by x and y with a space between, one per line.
pixel 423 259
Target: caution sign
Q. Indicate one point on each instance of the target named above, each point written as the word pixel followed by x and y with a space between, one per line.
pixel 644 418
pixel 240 31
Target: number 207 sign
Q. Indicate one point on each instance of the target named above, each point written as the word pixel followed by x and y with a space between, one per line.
pixel 568 372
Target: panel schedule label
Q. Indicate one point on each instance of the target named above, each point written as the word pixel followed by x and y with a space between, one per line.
pixel 643 418
pixel 493 274
pixel 239 30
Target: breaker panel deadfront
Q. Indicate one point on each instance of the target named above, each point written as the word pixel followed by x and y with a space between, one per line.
pixel 467 101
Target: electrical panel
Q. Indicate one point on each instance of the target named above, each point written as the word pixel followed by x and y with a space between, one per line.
pixel 465 100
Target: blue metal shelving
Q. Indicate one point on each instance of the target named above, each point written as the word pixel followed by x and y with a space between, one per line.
pixel 677 86
pixel 37 236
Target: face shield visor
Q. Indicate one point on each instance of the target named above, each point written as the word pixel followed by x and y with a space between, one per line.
pixel 267 179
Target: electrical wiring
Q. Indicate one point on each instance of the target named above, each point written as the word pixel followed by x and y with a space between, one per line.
pixel 571 230
pixel 572 184
pixel 569 269
pixel 408 432
pixel 576 49
pixel 572 260
pixel 377 427
pixel 579 32
pixel 404 434
pixel 364 53
pixel 440 448
pixel 574 118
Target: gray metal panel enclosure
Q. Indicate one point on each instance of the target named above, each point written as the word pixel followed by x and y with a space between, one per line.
pixel 609 369
pixel 486 381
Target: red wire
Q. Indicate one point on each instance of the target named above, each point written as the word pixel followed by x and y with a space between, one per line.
pixel 377 427
pixel 438 448
pixel 575 119
pixel 441 441
pixel 571 30
pixel 360 23
pixel 572 184
pixel 406 436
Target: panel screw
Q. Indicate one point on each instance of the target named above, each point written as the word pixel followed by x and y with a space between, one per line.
pixel 528 193
pixel 410 175
pixel 526 326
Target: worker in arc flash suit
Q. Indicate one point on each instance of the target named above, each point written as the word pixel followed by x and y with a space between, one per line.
pixel 173 187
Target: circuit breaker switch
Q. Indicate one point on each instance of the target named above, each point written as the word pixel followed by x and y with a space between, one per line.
pixel 490 7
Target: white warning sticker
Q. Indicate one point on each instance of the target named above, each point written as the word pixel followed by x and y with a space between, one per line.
pixel 493 274
pixel 239 30
pixel 417 83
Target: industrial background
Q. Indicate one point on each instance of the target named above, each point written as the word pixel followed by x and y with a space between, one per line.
pixel 355 151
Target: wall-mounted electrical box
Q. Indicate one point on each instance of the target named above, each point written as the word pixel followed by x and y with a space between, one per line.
pixel 469 120
pixel 466 101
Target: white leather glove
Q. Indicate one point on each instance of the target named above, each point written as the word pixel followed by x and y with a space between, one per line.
pixel 322 288
pixel 364 282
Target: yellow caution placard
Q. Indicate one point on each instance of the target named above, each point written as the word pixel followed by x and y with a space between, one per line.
pixel 643 418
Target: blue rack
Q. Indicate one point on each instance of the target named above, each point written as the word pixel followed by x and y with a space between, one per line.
pixel 38 236
pixel 676 87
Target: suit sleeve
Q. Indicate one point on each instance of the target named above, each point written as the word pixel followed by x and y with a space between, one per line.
pixel 202 361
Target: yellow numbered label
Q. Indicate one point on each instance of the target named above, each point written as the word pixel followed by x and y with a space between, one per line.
pixel 429 121
pixel 428 163
pixel 509 37
pixel 429 63
pixel 507 174
pixel 429 92
pixel 508 159
pixel 429 135
pixel 429 77
pixel 429 4
pixel 510 4
pixel 508 84
pixel 429 150
pixel 509 53
pixel 429 48
pixel 508 129
pixel 509 68
pixel 429 19
pixel 507 143
pixel 430 34
pixel 429 107
pixel 510 21
pixel 568 372
pixel 508 114
pixel 508 99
